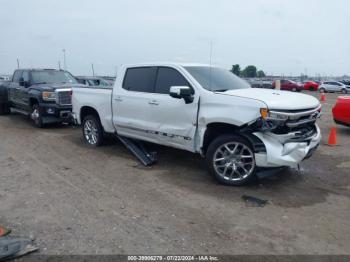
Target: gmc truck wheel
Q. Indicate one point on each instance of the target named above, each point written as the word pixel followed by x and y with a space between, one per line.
pixel 92 131
pixel 36 116
pixel 231 161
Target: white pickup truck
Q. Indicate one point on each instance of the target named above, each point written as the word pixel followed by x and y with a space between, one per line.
pixel 203 109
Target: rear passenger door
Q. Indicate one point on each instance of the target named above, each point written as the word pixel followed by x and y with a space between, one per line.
pixel 131 108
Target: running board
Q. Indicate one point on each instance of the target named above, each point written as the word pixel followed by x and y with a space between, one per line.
pixel 138 150
pixel 19 111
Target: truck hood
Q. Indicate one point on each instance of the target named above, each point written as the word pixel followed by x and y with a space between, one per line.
pixel 54 86
pixel 276 99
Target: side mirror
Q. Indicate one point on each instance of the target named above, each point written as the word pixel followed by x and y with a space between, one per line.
pixel 180 92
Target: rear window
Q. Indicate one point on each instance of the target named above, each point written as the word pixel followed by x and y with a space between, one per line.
pixel 140 79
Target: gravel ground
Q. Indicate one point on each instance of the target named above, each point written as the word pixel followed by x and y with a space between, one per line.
pixel 78 200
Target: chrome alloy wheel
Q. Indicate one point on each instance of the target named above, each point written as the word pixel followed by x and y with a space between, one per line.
pixel 35 114
pixel 91 132
pixel 233 161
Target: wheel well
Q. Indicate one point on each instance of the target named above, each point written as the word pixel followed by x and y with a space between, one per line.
pixel 214 130
pixel 86 111
pixel 33 101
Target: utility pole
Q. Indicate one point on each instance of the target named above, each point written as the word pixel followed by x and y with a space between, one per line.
pixel 59 65
pixel 64 59
pixel 17 63
pixel 93 71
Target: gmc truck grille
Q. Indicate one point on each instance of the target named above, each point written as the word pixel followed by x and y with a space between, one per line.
pixel 64 97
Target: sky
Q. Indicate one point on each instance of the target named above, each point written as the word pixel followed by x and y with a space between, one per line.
pixel 278 36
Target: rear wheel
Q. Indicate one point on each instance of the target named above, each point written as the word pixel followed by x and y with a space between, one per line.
pixel 322 90
pixel 344 91
pixel 36 116
pixel 294 89
pixel 231 161
pixel 92 131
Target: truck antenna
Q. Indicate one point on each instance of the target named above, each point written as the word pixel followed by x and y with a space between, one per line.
pixel 210 62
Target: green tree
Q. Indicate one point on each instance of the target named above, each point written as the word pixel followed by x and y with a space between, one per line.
pixel 261 73
pixel 249 71
pixel 236 69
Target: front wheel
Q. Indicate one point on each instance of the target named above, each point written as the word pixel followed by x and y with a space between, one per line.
pixel 231 161
pixel 322 90
pixel 92 131
pixel 36 116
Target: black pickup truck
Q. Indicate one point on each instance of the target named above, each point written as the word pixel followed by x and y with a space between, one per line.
pixel 45 95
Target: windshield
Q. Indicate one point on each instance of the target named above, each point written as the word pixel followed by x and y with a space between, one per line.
pixel 216 79
pixel 52 76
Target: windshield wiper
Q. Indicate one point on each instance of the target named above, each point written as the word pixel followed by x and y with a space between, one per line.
pixel 220 90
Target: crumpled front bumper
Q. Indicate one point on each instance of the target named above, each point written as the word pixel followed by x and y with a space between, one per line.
pixel 281 152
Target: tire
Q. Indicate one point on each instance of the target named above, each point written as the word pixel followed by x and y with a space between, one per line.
pixel 225 162
pixel 344 91
pixel 92 131
pixel 36 116
pixel 312 89
pixel 322 90
pixel 294 89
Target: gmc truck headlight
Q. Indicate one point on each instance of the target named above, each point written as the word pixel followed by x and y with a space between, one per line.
pixel 49 96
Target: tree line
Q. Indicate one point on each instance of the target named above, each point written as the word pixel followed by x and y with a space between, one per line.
pixel 248 71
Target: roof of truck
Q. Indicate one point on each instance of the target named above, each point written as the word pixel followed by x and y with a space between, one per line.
pixel 166 64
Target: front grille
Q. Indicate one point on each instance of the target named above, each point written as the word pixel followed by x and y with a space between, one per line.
pixel 298 121
pixel 64 97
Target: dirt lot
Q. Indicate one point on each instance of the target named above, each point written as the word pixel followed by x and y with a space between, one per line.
pixel 77 200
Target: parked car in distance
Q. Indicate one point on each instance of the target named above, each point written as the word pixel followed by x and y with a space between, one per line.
pixel 346 82
pixel 333 86
pixel 42 94
pixel 259 83
pixel 93 81
pixel 289 85
pixel 186 106
pixel 341 111
pixel 311 86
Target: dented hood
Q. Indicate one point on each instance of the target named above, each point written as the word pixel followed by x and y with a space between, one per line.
pixel 276 99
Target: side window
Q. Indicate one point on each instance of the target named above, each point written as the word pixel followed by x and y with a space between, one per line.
pixel 140 79
pixel 25 76
pixel 16 76
pixel 168 77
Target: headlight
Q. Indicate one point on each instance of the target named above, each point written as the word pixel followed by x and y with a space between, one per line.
pixel 278 117
pixel 272 116
pixel 49 96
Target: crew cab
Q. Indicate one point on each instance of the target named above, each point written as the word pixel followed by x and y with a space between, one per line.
pixel 42 94
pixel 203 109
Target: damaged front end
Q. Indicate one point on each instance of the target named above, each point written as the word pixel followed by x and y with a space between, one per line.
pixel 289 136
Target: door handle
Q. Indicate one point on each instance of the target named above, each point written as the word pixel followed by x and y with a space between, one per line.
pixel 118 98
pixel 153 102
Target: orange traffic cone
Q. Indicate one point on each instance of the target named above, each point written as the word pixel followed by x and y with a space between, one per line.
pixel 332 139
pixel 323 97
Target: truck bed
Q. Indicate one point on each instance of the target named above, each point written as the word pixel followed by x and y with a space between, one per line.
pixel 98 98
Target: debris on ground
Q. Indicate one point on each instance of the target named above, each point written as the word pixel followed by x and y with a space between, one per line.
pixel 11 248
pixel 254 201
